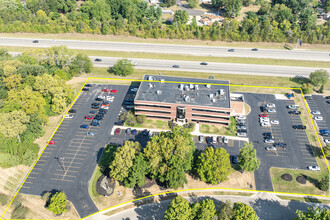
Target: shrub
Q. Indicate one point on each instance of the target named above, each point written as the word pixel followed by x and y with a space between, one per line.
pixel 3 199
pixel 324 184
pixel 19 212
pixel 57 203
pixel 141 119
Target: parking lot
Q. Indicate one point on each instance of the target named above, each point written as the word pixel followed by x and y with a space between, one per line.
pixel 297 155
pixel 69 164
pixel 318 103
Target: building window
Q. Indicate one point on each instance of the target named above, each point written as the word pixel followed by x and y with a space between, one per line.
pixel 162 117
pixel 207 110
pixel 180 112
pixel 156 106
pixel 210 122
pixel 153 111
pixel 211 116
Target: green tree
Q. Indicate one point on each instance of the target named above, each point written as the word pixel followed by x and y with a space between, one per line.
pixel 137 172
pixel 247 158
pixel 225 211
pixel 181 17
pixel 178 209
pixel 243 211
pixel 107 157
pixel 307 19
pixel 81 64
pixel 160 151
pixel 169 3
pixel 192 3
pixel 141 119
pixel 58 203
pixel 204 209
pixel 307 88
pixel 13 123
pixel 232 7
pixel 319 77
pixel 33 70
pixel 123 160
pixel 123 67
pixel 314 213
pixel 214 166
pixel 326 150
pixel 323 184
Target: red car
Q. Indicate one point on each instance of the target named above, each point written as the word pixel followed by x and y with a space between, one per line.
pixel 114 90
pixel 51 142
pixel 117 131
pixel 105 90
pixel 105 104
pixel 264 115
pixel 88 117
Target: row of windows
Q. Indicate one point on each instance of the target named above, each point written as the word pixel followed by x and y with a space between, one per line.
pixel 210 116
pixel 207 110
pixel 210 122
pixel 163 117
pixel 157 106
pixel 153 111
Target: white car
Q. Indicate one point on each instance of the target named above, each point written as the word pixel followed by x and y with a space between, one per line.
pixel 241 128
pixel 104 107
pixel 271 148
pixel 318 118
pixel 271 110
pixel 134 90
pixel 241 117
pixel 274 122
pixel 316 112
pixel 241 134
pixel 327 141
pixel 69 116
pixel 269 141
pixel 101 97
pixel 270 105
pixel 264 120
pixel 265 124
pixel 314 168
pixel 225 140
pixel 293 106
pixel 90 133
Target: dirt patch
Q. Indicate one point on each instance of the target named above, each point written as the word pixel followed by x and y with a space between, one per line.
pixel 286 177
pixel 301 179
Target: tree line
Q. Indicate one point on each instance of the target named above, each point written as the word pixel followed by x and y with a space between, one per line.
pixel 168 157
pixel 32 88
pixel 276 21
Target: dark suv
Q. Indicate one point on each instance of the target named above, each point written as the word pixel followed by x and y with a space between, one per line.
pixel 299 127
pixel 295 112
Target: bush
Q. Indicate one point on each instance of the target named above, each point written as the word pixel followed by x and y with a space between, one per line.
pixel 45 196
pixel 141 119
pixel 123 67
pixel 58 203
pixel 324 184
pixel 19 212
pixel 3 199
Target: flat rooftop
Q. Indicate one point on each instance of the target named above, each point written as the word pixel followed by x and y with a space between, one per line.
pixel 185 91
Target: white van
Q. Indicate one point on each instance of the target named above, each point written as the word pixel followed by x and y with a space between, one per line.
pixel 214 139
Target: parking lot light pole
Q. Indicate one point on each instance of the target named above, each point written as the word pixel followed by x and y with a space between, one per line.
pixel 61 162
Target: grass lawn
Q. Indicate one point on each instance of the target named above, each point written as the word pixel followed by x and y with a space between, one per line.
pixel 92 184
pixel 304 199
pixel 246 60
pixel 152 124
pixel 213 129
pixel 95 37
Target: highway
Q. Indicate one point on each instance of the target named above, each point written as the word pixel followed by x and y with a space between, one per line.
pixel 212 67
pixel 171 49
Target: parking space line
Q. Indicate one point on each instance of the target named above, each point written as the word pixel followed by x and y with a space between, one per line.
pixel 69 171
pixel 62 180
pixel 26 187
pixel 62 175
pixel 79 150
pixel 83 155
pixel 32 177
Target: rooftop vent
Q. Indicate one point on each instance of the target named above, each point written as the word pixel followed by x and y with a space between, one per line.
pixel 181 86
pixel 191 86
pixel 187 88
pixel 162 80
pixel 150 78
pixel 196 87
pixel 211 96
pixel 151 86
pixel 222 92
pixel 186 98
pixel 214 100
pixel 208 86
pixel 159 92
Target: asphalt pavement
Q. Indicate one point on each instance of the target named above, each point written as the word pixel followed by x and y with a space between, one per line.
pixel 68 165
pixel 171 48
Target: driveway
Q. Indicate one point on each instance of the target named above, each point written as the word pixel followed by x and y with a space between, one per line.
pixel 191 12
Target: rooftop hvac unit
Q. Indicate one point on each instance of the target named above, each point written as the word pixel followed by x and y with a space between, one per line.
pixel 159 92
pixel 196 87
pixel 208 86
pixel 150 78
pixel 186 98
pixel 151 86
pixel 222 92
pixel 213 100
pixel 181 86
pixel 211 96
pixel 187 88
pixel 162 80
pixel 191 86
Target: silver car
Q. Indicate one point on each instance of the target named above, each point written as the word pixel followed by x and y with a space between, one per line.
pixel 271 148
pixel 269 141
pixel 201 139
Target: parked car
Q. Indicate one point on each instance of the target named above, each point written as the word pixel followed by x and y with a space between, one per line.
pixel 265 124
pixel 94 123
pixel 83 126
pixel 88 85
pixel 241 128
pixel 101 97
pixel 241 117
pixel 201 139
pixel 324 131
pixel 269 137
pixel 98 60
pixel 120 123
pixel 264 115
pixel 314 168
pixel 269 141
pixel 282 145
pixel 105 90
pixel 214 139
pixel 68 116
pixel 316 112
pixel 254 49
pixel 134 132
pixel 145 132
pixel 96 120
pixel 299 127
pixel 35 41
pixel 327 97
pixel 114 91
pixel 85 89
pixel 241 134
pixel 105 104
pixel 150 133
pixel 88 117
pixel 204 63
pixel 72 111
pixel 90 133
pixel 264 120
pixel 270 105
pixel 267 134
pixel 328 101
pixel 234 159
pixel 128 131
pixel 275 122
pixel 219 139
pixel 294 112
pixel 176 66
pixel 240 123
pixel 326 141
pixel 117 131
pixel 293 106
pixel 225 140
pixel 318 118
pixel 51 142
pixel 98 99
pixel 93 112
pixel 231 50
pixel 271 110
pixel 271 148
pixel 95 106
pixel 208 140
pixel 104 107
pixel 95 103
